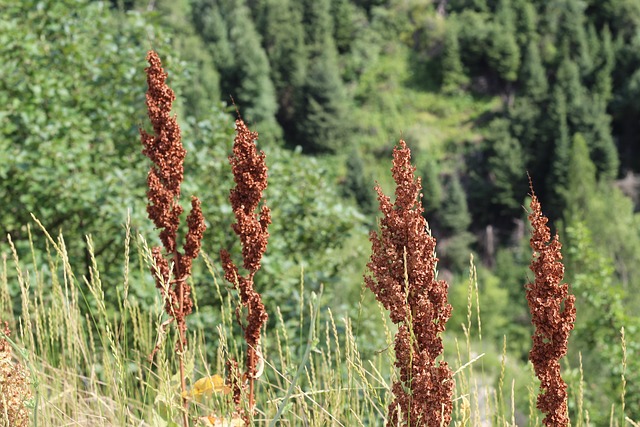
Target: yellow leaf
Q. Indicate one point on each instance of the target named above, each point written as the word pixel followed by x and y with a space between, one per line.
pixel 215 421
pixel 208 386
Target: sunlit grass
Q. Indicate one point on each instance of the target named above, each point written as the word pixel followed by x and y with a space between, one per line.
pixel 91 368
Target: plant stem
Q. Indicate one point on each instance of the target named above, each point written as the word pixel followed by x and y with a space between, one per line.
pixel 181 340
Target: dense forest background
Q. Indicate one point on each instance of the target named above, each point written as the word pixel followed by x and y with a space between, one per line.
pixel 483 91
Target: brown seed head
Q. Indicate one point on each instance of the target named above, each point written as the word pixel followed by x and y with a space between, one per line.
pixel 417 302
pixel 15 386
pixel 553 315
pixel 164 148
pixel 250 175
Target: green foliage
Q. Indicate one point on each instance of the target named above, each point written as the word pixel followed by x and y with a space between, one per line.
pixel 597 330
pixel 533 75
pixel 343 29
pixel 72 96
pixel 453 75
pixel 320 123
pixel 280 24
pixel 506 164
pixel 432 190
pixel 318 24
pixel 580 179
pixel 504 53
pixel 358 184
pixel 453 219
pixel 200 97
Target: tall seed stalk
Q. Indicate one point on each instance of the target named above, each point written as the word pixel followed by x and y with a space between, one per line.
pixel 403 278
pixel 172 267
pixel 250 175
pixel 553 315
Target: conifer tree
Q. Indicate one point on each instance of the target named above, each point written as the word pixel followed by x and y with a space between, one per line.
pixel 454 219
pixel 283 40
pixel 603 78
pixel 431 187
pixel 227 27
pixel 602 146
pixel 204 81
pixel 343 31
pixel 358 185
pixel 557 178
pixel 453 76
pixel 318 25
pixel 587 114
pixel 254 90
pixel 320 123
pixel 581 179
pixel 212 27
pixel 504 52
pixel 567 21
pixel 526 22
pixel 320 126
pixel 454 216
pixel 460 5
pixel 533 75
pixel 506 166
pixel 569 82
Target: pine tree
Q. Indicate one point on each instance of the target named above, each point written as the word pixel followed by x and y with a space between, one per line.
pixel 580 186
pixel 320 122
pixel 567 22
pixel 588 115
pixel 454 212
pixel 343 30
pixel 212 27
pixel 507 168
pixel 533 75
pixel 454 218
pixel 320 125
pixel 227 27
pixel 431 187
pixel 283 40
pixel 453 75
pixel 569 82
pixel 203 89
pixel 504 52
pixel 603 149
pixel 603 79
pixel 358 185
pixel 526 25
pixel 557 178
pixel 318 25
pixel 460 5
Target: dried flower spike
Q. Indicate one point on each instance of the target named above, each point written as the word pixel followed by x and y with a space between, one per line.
pixel 553 315
pixel 15 390
pixel 250 175
pixel 403 278
pixel 164 148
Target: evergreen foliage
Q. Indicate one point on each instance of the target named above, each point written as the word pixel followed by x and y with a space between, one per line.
pixel 282 32
pixel 506 164
pixel 357 184
pixel 453 75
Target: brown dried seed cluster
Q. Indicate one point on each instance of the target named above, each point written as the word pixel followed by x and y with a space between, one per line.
pixel 250 175
pixel 553 315
pixel 417 302
pixel 164 148
pixel 15 390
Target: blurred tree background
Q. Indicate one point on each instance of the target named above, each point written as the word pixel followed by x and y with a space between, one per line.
pixel 483 91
